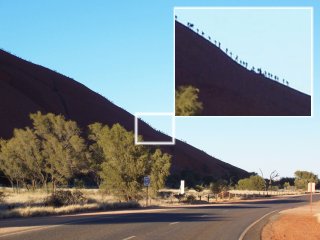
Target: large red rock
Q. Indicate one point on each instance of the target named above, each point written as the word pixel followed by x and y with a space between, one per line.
pixel 26 88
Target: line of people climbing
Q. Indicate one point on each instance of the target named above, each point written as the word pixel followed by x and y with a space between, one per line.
pixel 236 57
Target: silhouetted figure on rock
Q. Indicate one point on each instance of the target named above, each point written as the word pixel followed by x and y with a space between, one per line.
pixel 258 69
pixel 191 25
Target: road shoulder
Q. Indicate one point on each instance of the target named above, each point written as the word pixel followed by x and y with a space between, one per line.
pixel 295 223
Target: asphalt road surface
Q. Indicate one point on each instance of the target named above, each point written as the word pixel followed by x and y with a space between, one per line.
pixel 225 222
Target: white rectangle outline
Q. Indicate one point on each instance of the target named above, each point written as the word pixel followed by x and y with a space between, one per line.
pixel 173 128
pixel 311 8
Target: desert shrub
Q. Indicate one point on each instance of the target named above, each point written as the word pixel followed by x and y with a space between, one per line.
pixel 64 198
pixel 252 183
pixel 164 195
pixel 179 196
pixel 79 183
pixel 190 199
pixel 2 196
pixel 79 197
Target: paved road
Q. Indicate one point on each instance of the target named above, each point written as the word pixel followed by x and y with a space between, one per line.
pixel 225 222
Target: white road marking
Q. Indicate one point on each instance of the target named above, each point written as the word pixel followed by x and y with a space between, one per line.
pixel 252 224
pixel 173 223
pixel 129 238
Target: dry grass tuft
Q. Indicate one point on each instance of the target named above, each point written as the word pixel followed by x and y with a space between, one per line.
pixel 29 204
pixel 45 211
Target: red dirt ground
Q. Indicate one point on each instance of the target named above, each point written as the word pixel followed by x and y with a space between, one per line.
pixel 294 224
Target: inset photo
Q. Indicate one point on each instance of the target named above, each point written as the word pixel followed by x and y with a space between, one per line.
pixel 243 61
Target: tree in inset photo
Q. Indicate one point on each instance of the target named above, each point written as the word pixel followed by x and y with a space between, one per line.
pixel 187 103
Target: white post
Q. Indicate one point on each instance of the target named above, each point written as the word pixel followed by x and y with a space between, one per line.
pixel 311 189
pixel 182 187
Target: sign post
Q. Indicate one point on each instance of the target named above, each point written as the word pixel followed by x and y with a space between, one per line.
pixel 146 183
pixel 311 189
pixel 182 187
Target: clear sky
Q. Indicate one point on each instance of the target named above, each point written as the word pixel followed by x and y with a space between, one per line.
pixel 124 51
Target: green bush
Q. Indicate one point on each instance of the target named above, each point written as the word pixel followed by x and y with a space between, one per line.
pixel 64 198
pixel 187 101
pixel 252 183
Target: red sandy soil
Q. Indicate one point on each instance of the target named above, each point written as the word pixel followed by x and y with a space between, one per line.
pixel 26 88
pixel 294 224
pixel 226 87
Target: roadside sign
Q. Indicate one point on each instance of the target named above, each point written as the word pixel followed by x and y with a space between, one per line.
pixel 182 187
pixel 146 181
pixel 311 187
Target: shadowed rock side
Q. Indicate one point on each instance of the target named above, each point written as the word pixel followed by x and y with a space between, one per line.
pixel 26 88
pixel 226 87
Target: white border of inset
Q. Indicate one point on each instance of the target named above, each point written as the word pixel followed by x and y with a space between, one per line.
pixel 310 8
pixel 173 128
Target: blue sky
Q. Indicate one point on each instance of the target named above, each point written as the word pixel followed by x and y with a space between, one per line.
pixel 124 51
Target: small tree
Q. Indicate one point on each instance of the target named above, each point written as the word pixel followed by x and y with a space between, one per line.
pixel 187 103
pixel 13 167
pixel 27 149
pixel 273 175
pixel 63 147
pixel 218 186
pixel 160 169
pixel 125 164
pixel 302 178
pixel 199 189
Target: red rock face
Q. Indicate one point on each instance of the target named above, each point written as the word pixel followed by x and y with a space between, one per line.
pixel 226 87
pixel 26 88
